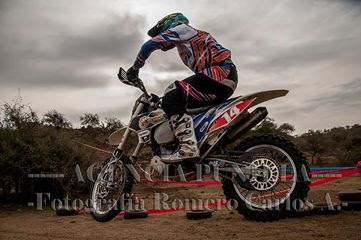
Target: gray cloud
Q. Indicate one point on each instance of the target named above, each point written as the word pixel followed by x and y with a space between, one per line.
pixel 117 38
pixel 347 94
pixel 166 61
pixel 4 4
pixel 306 54
pixel 56 56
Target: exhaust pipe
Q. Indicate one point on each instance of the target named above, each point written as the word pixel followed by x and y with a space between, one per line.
pixel 246 124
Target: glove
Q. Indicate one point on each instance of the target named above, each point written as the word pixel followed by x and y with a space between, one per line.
pixel 132 74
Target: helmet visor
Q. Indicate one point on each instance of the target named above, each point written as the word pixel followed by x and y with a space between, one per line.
pixel 154 31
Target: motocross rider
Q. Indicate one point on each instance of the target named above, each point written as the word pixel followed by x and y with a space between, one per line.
pixel 214 81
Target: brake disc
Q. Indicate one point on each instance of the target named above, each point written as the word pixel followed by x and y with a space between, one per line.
pixel 270 173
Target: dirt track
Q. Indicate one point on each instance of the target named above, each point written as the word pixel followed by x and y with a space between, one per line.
pixel 25 223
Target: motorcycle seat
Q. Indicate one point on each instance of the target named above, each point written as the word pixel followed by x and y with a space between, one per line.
pixel 198 110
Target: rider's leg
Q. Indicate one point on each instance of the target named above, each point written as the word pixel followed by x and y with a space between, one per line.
pixel 173 103
pixel 203 91
pixel 182 126
pixel 195 91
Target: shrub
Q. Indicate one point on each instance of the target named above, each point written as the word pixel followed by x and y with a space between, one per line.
pixel 28 147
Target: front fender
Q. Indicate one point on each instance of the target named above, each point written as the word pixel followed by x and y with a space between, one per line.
pixel 115 138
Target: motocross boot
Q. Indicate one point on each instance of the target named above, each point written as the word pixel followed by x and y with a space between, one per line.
pixel 182 126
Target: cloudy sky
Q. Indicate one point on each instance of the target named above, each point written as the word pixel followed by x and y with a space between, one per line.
pixel 65 54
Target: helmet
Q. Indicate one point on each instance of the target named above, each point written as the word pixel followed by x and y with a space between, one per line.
pixel 168 22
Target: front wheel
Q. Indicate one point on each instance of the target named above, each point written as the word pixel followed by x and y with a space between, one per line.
pixel 278 183
pixel 112 189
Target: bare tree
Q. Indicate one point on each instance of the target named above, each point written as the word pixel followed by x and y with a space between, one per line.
pixel 286 128
pixel 55 119
pixel 112 124
pixel 314 143
pixel 90 120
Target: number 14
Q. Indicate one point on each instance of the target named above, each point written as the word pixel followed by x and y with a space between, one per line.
pixel 234 111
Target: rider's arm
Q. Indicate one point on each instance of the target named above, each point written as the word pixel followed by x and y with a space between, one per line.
pixel 164 41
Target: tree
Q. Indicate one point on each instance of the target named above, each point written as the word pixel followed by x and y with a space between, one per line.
pixel 286 128
pixel 90 120
pixel 268 125
pixel 314 143
pixel 55 119
pixel 112 124
pixel 26 146
pixel 18 115
pixel 347 142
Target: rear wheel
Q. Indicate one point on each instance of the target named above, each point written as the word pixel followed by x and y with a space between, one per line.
pixel 278 184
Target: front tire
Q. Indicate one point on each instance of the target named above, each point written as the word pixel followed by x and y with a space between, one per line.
pixel 296 193
pixel 121 197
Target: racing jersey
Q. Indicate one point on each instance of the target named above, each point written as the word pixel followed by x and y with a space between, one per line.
pixel 198 50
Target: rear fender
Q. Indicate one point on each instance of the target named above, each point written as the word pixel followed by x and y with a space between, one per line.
pixel 265 96
pixel 228 116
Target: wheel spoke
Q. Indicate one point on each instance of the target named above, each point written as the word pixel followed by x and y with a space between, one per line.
pixel 274 183
pixel 106 193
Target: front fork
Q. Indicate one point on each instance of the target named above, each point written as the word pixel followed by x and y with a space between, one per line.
pixel 120 149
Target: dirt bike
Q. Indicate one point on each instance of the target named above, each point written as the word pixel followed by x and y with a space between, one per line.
pixel 263 174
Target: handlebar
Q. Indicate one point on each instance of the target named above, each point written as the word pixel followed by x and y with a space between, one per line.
pixel 122 75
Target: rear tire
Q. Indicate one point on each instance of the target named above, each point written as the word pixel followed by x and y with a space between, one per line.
pixel 299 192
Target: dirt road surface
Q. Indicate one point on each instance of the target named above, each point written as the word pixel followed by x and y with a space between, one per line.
pixel 27 223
